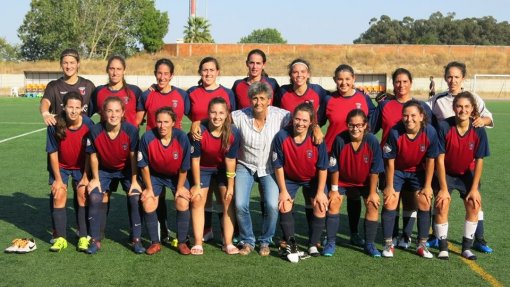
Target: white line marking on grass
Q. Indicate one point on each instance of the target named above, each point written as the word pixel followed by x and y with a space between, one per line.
pixel 21 135
pixel 19 123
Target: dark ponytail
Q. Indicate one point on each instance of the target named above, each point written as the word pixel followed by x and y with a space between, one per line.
pixel 61 125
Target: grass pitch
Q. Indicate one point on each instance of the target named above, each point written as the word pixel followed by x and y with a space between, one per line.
pixel 24 212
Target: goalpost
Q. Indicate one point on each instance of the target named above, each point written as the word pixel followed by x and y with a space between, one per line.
pixel 492 85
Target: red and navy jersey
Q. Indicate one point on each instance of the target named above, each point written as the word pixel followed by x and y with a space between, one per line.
pixel 165 160
pixel 151 101
pixel 240 90
pixel 388 114
pixel 71 150
pixel 199 101
pixel 335 110
pixel 461 150
pixel 287 99
pixel 113 154
pixel 212 155
pixel 355 166
pixel 300 162
pixel 410 154
pixel 56 89
pixel 130 95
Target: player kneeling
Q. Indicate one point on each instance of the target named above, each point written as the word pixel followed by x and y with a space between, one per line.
pixel 356 163
pixel 461 146
pixel 298 162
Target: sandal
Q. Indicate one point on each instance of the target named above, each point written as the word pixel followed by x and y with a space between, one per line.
pixel 230 249
pixel 197 250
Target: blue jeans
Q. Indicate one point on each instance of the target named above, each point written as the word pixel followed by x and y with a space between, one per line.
pixel 243 185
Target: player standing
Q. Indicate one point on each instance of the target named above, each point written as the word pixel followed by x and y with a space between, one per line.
pixel 299 162
pixel 65 145
pixel 409 151
pixel 112 146
pixel 356 161
pixel 461 144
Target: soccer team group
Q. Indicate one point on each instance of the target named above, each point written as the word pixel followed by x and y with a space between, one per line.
pixel 261 132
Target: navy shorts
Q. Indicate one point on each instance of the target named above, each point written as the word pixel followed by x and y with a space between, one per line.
pixel 220 176
pixel 361 190
pixel 75 174
pixel 159 183
pixel 309 188
pixel 414 180
pixel 110 180
pixel 462 183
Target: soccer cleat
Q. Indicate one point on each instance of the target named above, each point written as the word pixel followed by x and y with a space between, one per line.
pixel 356 240
pixel 208 234
pixel 292 252
pixel 59 245
pixel 443 255
pixel 137 246
pixel 153 249
pixel 432 242
pixel 423 251
pixel 27 245
pixel 371 250
pixel 468 255
pixel 329 249
pixel 313 251
pixel 94 247
pixel 14 245
pixel 404 242
pixel 83 244
pixel 481 245
pixel 388 250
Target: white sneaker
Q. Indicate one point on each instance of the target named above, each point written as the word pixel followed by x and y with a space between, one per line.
pixel 443 255
pixel 14 245
pixel 313 251
pixel 24 245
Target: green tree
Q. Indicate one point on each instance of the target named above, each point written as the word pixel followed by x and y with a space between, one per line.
pixel 267 35
pixel 97 28
pixel 8 52
pixel 197 31
pixel 153 29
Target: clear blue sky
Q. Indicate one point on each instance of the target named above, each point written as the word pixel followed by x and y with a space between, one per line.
pixel 307 22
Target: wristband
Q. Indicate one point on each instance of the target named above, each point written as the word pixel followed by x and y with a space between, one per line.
pixel 334 187
pixel 231 174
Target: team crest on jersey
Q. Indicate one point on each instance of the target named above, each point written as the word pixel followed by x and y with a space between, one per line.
pixel 358 106
pixel 365 158
pixel 82 90
pixel 309 153
pixel 125 146
pixel 332 161
pixel 140 156
pixel 175 155
pixel 422 148
pixel 471 145
pixel 386 148
pixel 175 103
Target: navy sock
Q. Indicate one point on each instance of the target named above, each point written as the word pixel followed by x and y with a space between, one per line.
pixel 423 224
pixel 151 221
pixel 466 243
pixel 182 225
pixel 388 222
pixel 51 212
pixel 60 218
pixel 104 209
pixel 208 219
pixel 162 213
pixel 317 227
pixel 309 220
pixel 354 213
pixel 82 221
pixel 75 203
pixel 95 202
pixel 287 225
pixel 395 224
pixel 479 233
pixel 332 223
pixel 220 217
pixel 370 230
pixel 409 224
pixel 136 220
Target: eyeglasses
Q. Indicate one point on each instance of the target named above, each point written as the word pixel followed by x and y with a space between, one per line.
pixel 358 126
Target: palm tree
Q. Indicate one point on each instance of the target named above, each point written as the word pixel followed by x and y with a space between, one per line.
pixel 197 31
